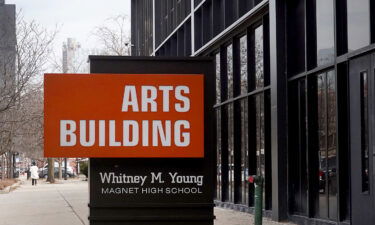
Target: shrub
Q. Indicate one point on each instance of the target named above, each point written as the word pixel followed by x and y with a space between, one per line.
pixel 84 168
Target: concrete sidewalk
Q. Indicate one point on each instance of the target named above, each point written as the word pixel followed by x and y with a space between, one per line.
pixel 65 203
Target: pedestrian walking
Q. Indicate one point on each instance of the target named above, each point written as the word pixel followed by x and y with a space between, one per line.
pixel 34 174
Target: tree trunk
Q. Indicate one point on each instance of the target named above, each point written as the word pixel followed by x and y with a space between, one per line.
pixel 5 168
pixel 10 165
pixel 51 170
pixel 60 169
pixel 78 168
pixel 2 166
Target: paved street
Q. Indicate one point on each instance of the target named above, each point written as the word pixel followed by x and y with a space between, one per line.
pixel 66 203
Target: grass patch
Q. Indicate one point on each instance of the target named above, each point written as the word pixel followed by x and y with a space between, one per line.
pixel 6 182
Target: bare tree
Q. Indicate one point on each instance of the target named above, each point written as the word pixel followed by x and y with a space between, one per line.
pixel 28 123
pixel 114 36
pixel 33 48
pixel 21 95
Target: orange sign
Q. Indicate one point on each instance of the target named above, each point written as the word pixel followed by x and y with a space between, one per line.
pixel 123 115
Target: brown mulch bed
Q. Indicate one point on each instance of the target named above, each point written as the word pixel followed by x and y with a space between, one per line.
pixel 6 182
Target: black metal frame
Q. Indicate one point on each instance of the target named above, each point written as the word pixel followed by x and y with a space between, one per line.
pixel 342 58
pixel 237 98
pixel 292 40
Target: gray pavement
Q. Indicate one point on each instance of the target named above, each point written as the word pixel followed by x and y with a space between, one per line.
pixel 66 203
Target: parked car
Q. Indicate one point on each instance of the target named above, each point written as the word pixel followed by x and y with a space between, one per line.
pixel 70 169
pixel 44 173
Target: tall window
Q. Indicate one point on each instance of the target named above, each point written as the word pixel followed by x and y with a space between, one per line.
pixel 243 65
pixel 324 32
pixel 218 156
pixel 230 70
pixel 259 106
pixel 243 119
pixel 259 58
pixel 327 152
pixel 218 87
pixel 259 100
pixel 218 131
pixel 244 123
pixel 316 31
pixel 298 146
pixel 244 154
pixel 230 154
pixel 230 125
pixel 364 132
pixel 358 23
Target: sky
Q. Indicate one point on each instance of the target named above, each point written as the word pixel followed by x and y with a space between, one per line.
pixel 76 18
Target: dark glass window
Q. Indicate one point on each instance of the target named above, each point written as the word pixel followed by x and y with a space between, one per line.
pixel 244 154
pixel 331 146
pixel 324 32
pixel 321 152
pixel 327 152
pixel 230 70
pixel 295 41
pixel 259 58
pixel 298 146
pixel 260 150
pixel 260 133
pixel 364 132
pixel 242 122
pixel 218 87
pixel 243 65
pixel 358 24
pixel 230 154
pixel 218 155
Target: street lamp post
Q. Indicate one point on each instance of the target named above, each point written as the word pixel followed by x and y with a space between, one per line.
pixel 128 45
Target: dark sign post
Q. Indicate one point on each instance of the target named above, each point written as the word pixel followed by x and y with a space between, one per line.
pixel 147 125
pixel 156 190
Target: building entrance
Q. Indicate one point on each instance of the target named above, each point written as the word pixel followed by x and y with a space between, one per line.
pixel 362 129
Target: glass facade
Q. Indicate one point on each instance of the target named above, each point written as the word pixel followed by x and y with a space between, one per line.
pixel 218 91
pixel 259 106
pixel 325 32
pixel 299 127
pixel 244 154
pixel 321 158
pixel 231 165
pixel 230 71
pixel 358 24
pixel 218 158
pixel 245 151
pixel 259 57
pixel 313 141
pixel 326 111
pixel 364 132
pixel 308 83
pixel 243 65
